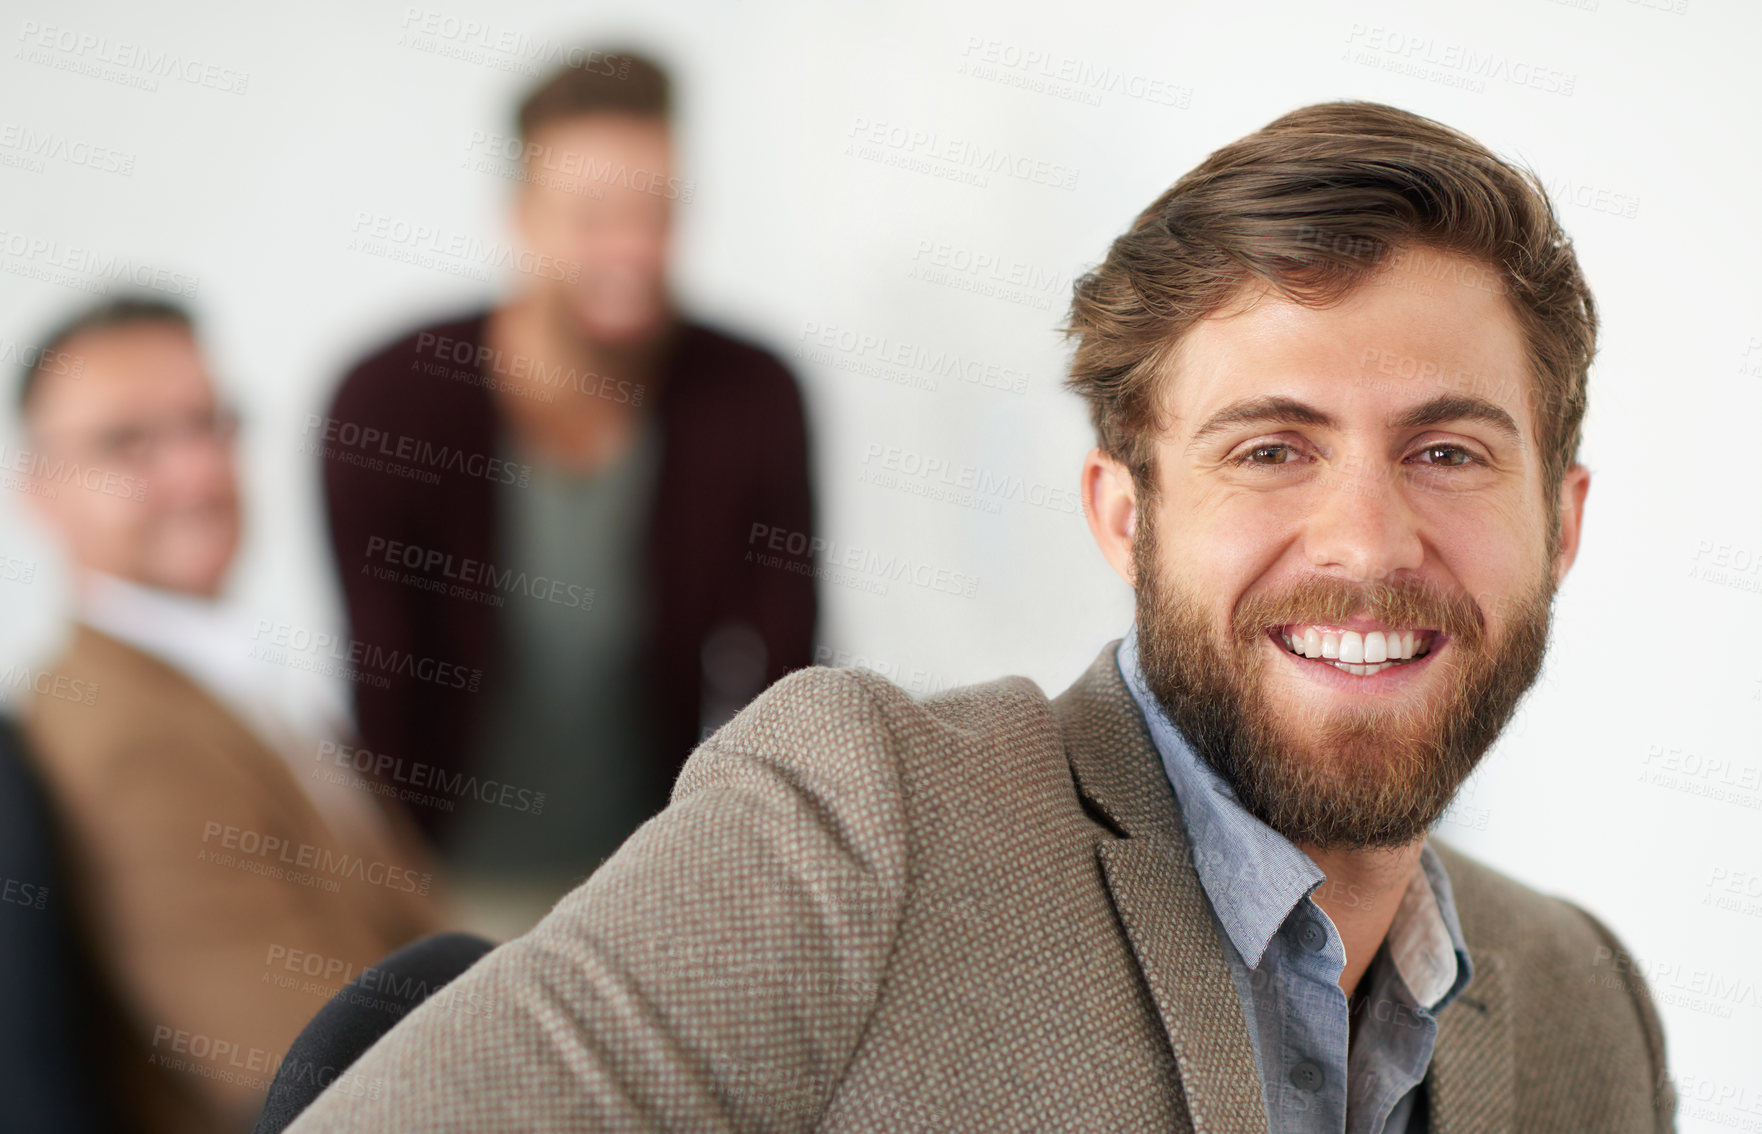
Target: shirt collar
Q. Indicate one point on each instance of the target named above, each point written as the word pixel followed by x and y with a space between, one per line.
pixel 188 632
pixel 1255 877
pixel 209 642
pixel 1425 940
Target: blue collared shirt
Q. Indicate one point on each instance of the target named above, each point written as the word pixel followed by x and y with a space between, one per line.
pixel 1286 958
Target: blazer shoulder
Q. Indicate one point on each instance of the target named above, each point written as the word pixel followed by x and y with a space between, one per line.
pixel 735 366
pixel 134 717
pixel 391 370
pixel 993 710
pixel 836 720
pixel 101 693
pixel 1578 988
pixel 811 719
pixel 745 354
pixel 1499 912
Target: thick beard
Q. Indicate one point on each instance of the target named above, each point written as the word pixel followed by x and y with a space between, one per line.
pixel 1363 778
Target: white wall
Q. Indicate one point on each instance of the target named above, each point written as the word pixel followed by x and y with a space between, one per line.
pixel 1632 781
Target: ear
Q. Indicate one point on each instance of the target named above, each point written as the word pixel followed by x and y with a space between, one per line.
pixel 1573 488
pixel 1110 503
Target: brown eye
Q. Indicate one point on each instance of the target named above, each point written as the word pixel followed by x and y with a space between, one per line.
pixel 1270 454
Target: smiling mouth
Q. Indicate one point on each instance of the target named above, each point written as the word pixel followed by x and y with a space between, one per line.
pixel 1360 653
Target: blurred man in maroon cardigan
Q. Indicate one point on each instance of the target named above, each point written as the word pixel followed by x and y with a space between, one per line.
pixel 543 515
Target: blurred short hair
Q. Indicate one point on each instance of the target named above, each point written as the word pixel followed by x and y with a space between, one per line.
pixel 105 315
pixel 620 82
pixel 1313 204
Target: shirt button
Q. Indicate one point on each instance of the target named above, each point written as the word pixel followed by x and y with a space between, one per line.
pixel 1312 936
pixel 1306 1076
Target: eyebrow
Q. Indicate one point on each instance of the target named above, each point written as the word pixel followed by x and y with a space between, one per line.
pixel 1278 410
pixel 1270 409
pixel 1459 407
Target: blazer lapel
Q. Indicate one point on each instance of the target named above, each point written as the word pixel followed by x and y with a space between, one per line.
pixel 1470 1083
pixel 1160 901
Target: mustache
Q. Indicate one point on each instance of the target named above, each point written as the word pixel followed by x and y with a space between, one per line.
pixel 1404 602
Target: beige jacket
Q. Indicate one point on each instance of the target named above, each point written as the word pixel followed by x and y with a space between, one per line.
pixel 213 945
pixel 862 912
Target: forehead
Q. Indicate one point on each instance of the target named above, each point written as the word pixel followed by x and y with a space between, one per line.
pixel 601 134
pixel 1426 324
pixel 598 157
pixel 127 371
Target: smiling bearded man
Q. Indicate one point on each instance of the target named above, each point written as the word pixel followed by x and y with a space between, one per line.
pixel 1337 374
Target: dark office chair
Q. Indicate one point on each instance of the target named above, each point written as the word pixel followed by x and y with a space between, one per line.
pixel 50 1054
pixel 357 1016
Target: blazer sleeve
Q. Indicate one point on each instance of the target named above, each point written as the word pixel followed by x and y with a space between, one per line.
pixel 715 974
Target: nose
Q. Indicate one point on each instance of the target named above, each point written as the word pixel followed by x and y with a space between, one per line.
pixel 1361 525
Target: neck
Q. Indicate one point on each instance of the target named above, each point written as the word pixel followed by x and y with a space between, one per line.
pixel 535 327
pixel 573 401
pixel 1362 892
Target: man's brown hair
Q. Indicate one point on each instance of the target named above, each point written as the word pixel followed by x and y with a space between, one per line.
pixel 1312 204
pixel 104 315
pixel 619 82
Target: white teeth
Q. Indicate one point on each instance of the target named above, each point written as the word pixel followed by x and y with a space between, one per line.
pixel 1359 653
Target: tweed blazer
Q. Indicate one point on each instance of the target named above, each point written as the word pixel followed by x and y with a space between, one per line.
pixel 865 912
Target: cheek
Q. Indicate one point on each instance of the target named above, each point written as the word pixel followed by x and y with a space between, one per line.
pixel 128 518
pixel 1494 549
pixel 1230 531
pixel 1216 546
pixel 100 523
pixel 658 248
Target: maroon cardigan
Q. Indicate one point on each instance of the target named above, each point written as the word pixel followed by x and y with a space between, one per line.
pixel 734 454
